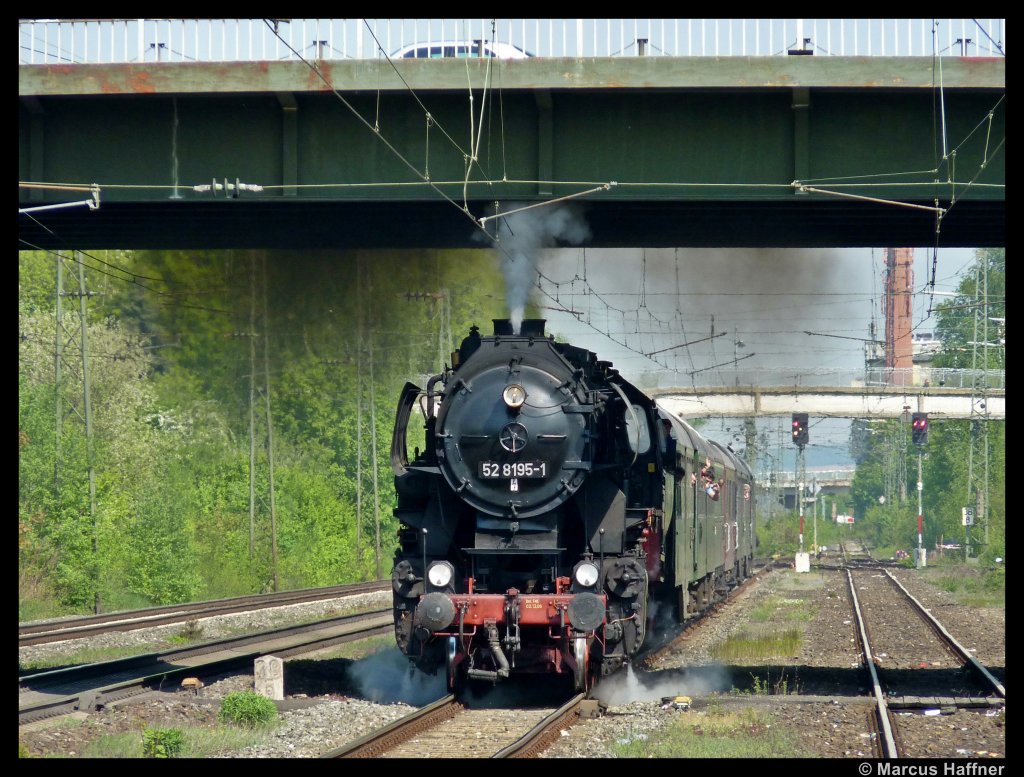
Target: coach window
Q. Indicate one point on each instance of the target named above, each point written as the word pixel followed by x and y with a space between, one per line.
pixel 637 433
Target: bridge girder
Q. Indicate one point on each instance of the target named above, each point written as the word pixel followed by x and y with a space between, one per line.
pixel 681 151
pixel 829 403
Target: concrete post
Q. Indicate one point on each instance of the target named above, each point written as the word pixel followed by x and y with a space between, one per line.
pixel 269 675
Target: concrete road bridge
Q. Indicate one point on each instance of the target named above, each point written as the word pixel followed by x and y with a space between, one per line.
pixel 302 134
pixel 829 402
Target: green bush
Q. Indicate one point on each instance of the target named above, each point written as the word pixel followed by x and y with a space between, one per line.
pixel 162 742
pixel 995 579
pixel 247 708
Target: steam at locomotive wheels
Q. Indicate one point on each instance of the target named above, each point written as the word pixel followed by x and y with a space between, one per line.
pixel 553 511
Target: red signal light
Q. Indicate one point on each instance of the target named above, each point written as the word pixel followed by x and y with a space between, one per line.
pixel 919 426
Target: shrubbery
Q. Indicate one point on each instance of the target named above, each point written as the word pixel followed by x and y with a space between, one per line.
pixel 248 709
pixel 162 742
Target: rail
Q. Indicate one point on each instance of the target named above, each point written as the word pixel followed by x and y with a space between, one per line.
pixel 48 692
pixel 120 41
pixel 40 632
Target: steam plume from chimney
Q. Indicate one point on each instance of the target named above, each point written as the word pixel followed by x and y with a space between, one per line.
pixel 521 236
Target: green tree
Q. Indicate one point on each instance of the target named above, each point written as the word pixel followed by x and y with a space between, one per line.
pixel 957 317
pixel 945 457
pixel 189 338
pixel 965 323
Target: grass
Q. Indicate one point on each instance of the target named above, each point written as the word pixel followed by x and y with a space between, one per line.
pixel 190 632
pixel 747 733
pixel 358 649
pixel 746 645
pixel 981 600
pixel 776 608
pixel 198 742
pixel 40 609
pixel 805 581
pixel 89 656
pixel 783 683
pixel 969 585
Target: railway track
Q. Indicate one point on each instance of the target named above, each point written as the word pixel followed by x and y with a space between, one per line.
pixel 449 729
pixel 43 694
pixel 914 663
pixel 905 722
pixel 42 632
pixel 651 656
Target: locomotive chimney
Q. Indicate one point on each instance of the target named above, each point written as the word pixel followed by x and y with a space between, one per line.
pixel 532 327
pixel 503 326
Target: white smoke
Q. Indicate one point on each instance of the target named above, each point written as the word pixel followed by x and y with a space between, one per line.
pixel 387 677
pixel 631 685
pixel 521 236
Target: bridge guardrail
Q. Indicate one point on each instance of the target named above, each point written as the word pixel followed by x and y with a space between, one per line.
pixel 145 41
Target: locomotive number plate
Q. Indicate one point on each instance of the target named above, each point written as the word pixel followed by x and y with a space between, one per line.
pixel 513 469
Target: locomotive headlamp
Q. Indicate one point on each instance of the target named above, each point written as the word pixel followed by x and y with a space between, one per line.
pixel 586 574
pixel 514 396
pixel 440 574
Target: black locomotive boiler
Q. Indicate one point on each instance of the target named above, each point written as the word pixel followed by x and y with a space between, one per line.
pixel 552 505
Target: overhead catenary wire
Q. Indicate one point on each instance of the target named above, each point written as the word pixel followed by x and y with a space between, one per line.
pixel 984 32
pixel 464 208
pixel 620 184
pixel 319 73
pixel 132 280
pixel 475 151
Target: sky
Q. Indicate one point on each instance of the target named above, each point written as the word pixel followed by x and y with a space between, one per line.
pixel 633 307
pixel 632 303
pixel 837 294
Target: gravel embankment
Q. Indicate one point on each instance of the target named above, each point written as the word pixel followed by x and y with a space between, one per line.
pixel 825 710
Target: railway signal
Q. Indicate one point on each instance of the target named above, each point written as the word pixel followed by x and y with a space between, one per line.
pixel 800 436
pixel 919 427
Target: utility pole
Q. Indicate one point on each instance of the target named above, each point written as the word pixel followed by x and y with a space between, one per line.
pixel 270 430
pixel 252 404
pixel 814 506
pixel 373 450
pixel 359 408
pixel 779 491
pixel 90 450
pixel 977 458
pixel 750 452
pixel 64 336
pixel 735 356
pixel 58 357
pixel 444 326
pixel 920 436
pixel 800 436
pixel 800 479
pixel 920 511
pixel 901 455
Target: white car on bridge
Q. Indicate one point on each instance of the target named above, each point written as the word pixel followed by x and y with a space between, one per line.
pixel 460 49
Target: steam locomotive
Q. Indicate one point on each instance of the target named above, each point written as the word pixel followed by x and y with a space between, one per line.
pixel 553 508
